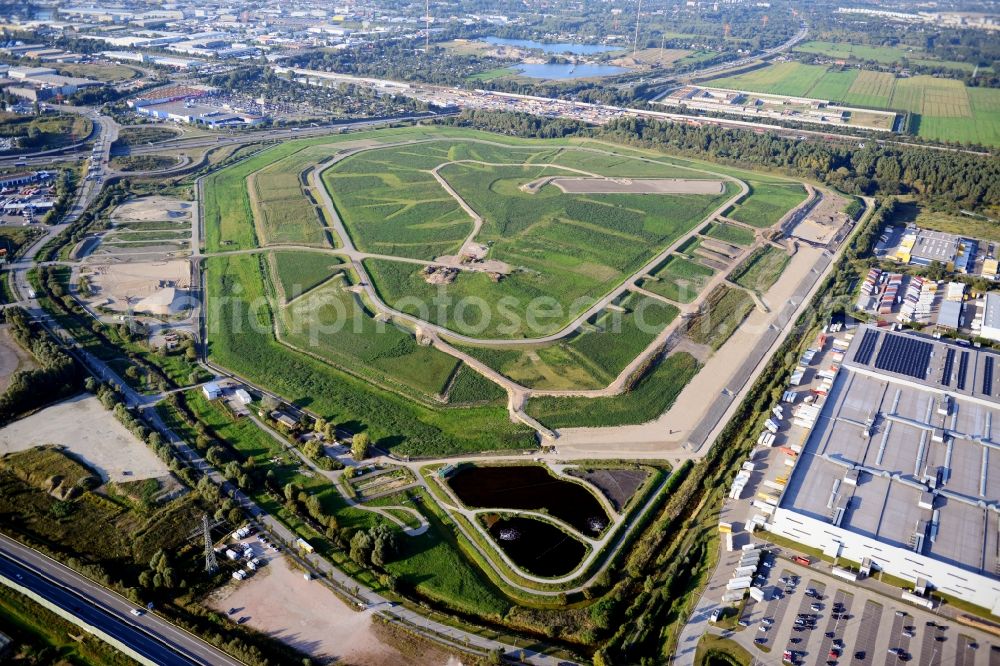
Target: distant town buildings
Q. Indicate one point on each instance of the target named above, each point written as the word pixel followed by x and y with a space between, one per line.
pixel 41 83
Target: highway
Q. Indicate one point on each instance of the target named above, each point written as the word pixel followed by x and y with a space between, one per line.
pixel 80 151
pixel 152 639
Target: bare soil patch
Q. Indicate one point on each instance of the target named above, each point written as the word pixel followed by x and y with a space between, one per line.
pixel 153 208
pixel 307 615
pixel 160 287
pixel 618 485
pixel 13 357
pixel 91 433
pixel 638 186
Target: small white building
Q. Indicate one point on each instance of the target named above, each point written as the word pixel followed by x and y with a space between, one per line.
pixel 212 391
pixel 243 396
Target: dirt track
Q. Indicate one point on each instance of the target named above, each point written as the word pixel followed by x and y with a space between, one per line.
pixel 638 186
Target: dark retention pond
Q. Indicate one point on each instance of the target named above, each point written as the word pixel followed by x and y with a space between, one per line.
pixel 536 546
pixel 529 488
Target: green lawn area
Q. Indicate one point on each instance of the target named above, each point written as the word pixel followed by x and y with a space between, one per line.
pixel 729 233
pixel 653 395
pixel 299 271
pixel 678 279
pixel 767 202
pixel 137 135
pixel 721 314
pixel 761 269
pixel 241 338
pixel 99 71
pixel 717 651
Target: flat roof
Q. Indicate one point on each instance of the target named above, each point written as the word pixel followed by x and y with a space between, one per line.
pixel 935 246
pixel 991 317
pixel 887 426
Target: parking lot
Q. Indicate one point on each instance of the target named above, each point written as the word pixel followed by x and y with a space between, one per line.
pixel 809 617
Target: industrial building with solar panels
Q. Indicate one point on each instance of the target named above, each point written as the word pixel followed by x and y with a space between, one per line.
pixel 901 472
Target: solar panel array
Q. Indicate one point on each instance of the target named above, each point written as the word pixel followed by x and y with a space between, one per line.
pixel 949 363
pixel 963 368
pixel 988 375
pixel 904 355
pixel 867 347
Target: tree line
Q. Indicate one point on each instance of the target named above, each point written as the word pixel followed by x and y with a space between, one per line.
pixel 57 376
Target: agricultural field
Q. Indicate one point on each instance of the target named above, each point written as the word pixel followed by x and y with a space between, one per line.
pixel 943 109
pixel 678 279
pixel 768 202
pixel 882 54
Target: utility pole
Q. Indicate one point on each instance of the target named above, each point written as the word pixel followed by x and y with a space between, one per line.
pixel 211 564
pixel 427 24
pixel 635 40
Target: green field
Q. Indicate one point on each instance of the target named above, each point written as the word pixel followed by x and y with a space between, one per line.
pixel 44 132
pixel 653 395
pixel 300 271
pixel 678 279
pixel 768 203
pixel 719 317
pixel 729 233
pixel 589 359
pixel 288 319
pixel 943 109
pixel 137 135
pixel 572 248
pixel 241 338
pixel 333 324
pixel 881 54
pixel 761 269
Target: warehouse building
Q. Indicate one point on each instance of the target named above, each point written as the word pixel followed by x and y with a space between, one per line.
pixel 991 317
pixel 901 472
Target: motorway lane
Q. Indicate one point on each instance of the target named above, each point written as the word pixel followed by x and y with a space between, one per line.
pixel 149 635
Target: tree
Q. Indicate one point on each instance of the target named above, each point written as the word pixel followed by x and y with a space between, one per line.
pixel 359 445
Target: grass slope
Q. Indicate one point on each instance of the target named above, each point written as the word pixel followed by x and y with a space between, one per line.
pixel 653 395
